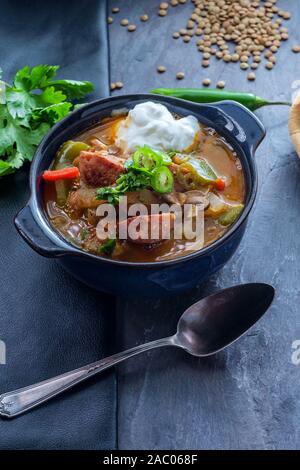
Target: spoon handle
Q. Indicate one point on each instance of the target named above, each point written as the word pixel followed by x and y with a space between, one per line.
pixel 17 402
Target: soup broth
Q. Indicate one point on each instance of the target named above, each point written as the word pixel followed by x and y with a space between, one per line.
pixel 72 204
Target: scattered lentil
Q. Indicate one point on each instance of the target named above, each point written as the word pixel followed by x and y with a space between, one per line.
pixel 255 28
pixel 124 22
pixel 115 10
pixel 251 76
pixel 221 84
pixel 110 20
pixel 176 35
pixel 162 12
pixel 296 48
pixel 235 57
pixel 269 65
pixel 180 75
pixel 164 6
pixel 244 58
pixel 119 85
pixel 131 28
pixel 144 17
pixel 161 68
pixel 227 58
pixel 206 81
pixel 112 86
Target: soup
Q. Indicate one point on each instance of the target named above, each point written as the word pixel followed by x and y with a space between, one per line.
pixel 150 158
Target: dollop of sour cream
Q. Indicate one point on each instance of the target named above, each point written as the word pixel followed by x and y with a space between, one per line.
pixel 152 124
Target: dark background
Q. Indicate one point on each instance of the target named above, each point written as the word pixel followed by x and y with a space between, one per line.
pixel 49 322
pixel 248 396
pixel 244 398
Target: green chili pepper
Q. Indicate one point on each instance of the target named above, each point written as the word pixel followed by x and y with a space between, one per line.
pixel 68 152
pixel 64 158
pixel 204 95
pixel 162 180
pixel 195 173
pixel 229 217
pixel 148 158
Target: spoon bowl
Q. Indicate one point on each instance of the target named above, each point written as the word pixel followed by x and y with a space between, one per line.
pixel 216 321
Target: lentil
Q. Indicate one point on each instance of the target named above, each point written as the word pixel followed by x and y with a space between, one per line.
pixel 180 75
pixel 221 84
pixel 255 28
pixel 131 28
pixel 206 81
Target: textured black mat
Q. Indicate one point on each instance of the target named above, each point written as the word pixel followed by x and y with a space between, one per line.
pixel 49 322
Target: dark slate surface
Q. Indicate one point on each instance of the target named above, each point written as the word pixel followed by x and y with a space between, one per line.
pixel 50 322
pixel 248 396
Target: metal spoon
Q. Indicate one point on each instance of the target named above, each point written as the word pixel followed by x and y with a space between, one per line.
pixel 204 329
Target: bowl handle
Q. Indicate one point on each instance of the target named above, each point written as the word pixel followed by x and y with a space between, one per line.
pixel 34 236
pixel 248 128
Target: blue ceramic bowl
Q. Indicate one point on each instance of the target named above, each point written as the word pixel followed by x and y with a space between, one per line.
pixel 242 130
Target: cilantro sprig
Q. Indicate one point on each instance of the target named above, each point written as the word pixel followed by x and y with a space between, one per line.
pixel 29 106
